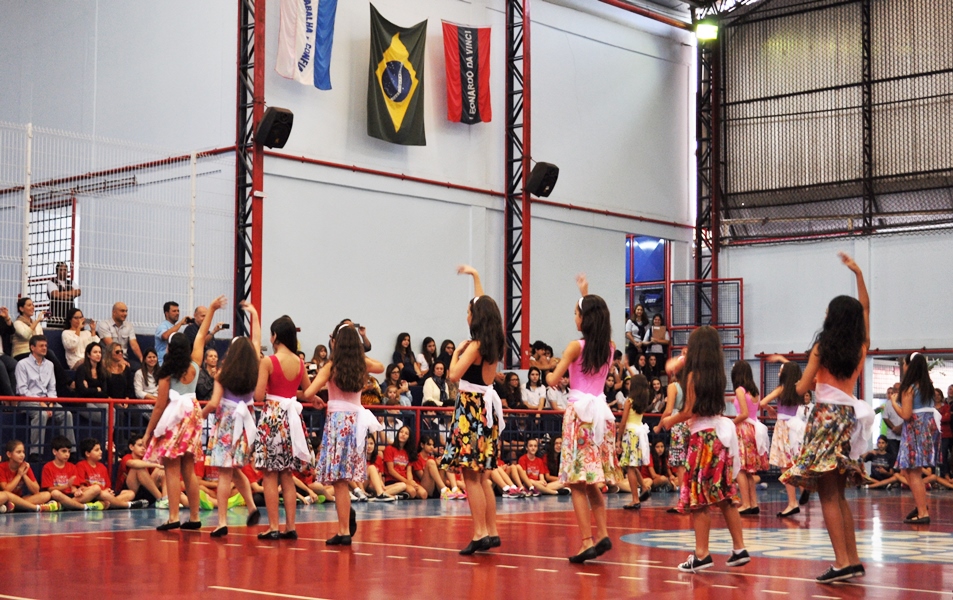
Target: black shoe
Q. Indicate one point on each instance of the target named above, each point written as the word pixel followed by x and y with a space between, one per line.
pixel 587 554
pixel 476 546
pixel 253 518
pixel 645 495
pixel 402 496
pixel 339 540
pixel 738 558
pixel 635 506
pixel 917 520
pixel 858 570
pixel 563 491
pixel 789 513
pixel 805 496
pixel 352 522
pixel 270 535
pixel 673 511
pixel 139 504
pixel 169 525
pixel 495 541
pixel 913 513
pixel 192 525
pixel 289 535
pixel 754 510
pixel 693 565
pixel 604 545
pixel 831 575
pixel 220 532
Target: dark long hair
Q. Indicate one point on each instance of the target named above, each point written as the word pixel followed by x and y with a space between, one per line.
pixel 788 378
pixel 177 359
pixel 146 375
pixel 285 332
pixel 842 336
pixel 552 458
pixel 917 376
pixel 539 383
pixel 429 357
pixel 399 349
pixel 348 368
pixel 660 461
pixel 639 393
pixel 408 447
pixel 705 364
pixel 486 327
pixel 597 331
pixel 444 356
pixel 239 374
pixel 741 376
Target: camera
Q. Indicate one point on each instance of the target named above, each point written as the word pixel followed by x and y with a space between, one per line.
pixel 189 320
pixel 226 326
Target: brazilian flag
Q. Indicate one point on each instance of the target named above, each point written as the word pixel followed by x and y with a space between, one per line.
pixel 395 88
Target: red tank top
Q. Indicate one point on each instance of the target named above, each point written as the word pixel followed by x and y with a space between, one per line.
pixel 278 384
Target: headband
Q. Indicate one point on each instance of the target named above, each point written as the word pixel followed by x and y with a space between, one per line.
pixel 912 354
pixel 580 304
pixel 474 301
pixel 342 326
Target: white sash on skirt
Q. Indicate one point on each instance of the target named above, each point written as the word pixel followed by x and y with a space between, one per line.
pixel 492 405
pixel 863 416
pixel 179 407
pixel 644 448
pixel 299 443
pixel 937 417
pixel 366 421
pixel 727 434
pixel 244 421
pixel 796 427
pixel 761 437
pixel 592 409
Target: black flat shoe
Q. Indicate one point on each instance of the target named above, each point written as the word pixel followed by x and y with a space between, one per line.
pixel 339 540
pixel 912 514
pixel 917 520
pixel 192 525
pixel 635 506
pixel 476 546
pixel 495 541
pixel 289 535
pixel 270 535
pixel 789 513
pixel 352 522
pixel 587 554
pixel 673 511
pixel 754 510
pixel 168 526
pixel 253 518
pixel 220 532
pixel 604 545
pixel 805 497
pixel 645 495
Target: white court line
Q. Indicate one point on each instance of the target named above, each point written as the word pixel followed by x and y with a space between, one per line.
pixel 362 554
pixel 100 537
pixel 170 541
pixel 729 587
pixel 272 547
pixel 547 570
pixel 631 578
pixel 260 593
pixel 299 549
pixel 507 567
pixel 467 563
pixel 431 559
pixel 681 582
pixel 774 592
pixel 235 545
pixel 16 597
pixel 200 543
pixel 585 574
pixel 398 557
pixel 332 551
pixel 827 597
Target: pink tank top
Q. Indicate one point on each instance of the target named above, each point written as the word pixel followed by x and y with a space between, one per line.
pixel 752 407
pixel 336 393
pixel 588 383
pixel 278 385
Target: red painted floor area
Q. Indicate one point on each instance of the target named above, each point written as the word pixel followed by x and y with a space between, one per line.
pixel 417 558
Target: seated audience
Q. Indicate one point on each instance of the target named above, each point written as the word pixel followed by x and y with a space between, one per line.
pixel 404 358
pixel 36 379
pixel 207 375
pixel 119 330
pixel 435 387
pixel 534 394
pixel 397 458
pixel 145 382
pixel 18 485
pixel 76 337
pixel 62 297
pixel 427 356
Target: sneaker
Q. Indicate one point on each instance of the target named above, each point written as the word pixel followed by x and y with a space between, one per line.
pixel 763 485
pixel 534 492
pixel 512 493
pixel 361 495
pixel 354 497
pixel 445 494
pixel 96 506
pixel 458 495
pixel 51 506
pixel 236 500
pixel 857 570
pixel 139 504
pixel 693 565
pixel 382 498
pixel 3 508
pixel 204 502
pixel 322 499
pixel 160 503
pixel 831 575
pixel 563 491
pixel 522 493
pixel 402 496
pixel 738 558
pixel 308 500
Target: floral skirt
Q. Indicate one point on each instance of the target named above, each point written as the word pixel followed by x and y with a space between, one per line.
pixel 632 450
pixel 223 450
pixel 751 460
pixel 582 460
pixel 184 438
pixel 826 448
pixel 342 454
pixel 471 444
pixel 783 450
pixel 708 478
pixel 919 442
pixel 678 445
pixel 273 451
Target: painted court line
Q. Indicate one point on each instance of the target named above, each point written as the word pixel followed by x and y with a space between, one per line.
pixel 170 541
pixel 16 597
pixel 299 549
pixel 827 597
pixel 260 593
pixel 468 563
pixel 547 570
pixel 727 587
pixel 235 545
pixel 362 554
pixel 633 578
pixel 681 582
pixel 585 574
pixel 507 567
pixel 398 557
pixel 431 559
pixel 774 592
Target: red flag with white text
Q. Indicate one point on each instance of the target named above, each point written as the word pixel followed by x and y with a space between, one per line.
pixel 467 53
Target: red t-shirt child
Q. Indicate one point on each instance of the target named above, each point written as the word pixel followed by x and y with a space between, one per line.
pixel 534 467
pixel 250 472
pixel 420 464
pixel 87 474
pixel 7 474
pixel 400 460
pixel 54 476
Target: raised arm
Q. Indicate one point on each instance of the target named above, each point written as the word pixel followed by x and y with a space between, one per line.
pixel 255 324
pixel 198 346
pixel 861 291
pixel 583 284
pixel 477 285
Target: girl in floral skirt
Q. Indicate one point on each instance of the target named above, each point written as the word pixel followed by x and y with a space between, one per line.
pixel 635 441
pixel 588 458
pixel 753 441
pixel 281 443
pixel 678 438
pixel 713 461
pixel 473 443
pixel 343 446
pixel 230 441
pixel 839 427
pixel 174 434
pixel 788 429
pixel 920 435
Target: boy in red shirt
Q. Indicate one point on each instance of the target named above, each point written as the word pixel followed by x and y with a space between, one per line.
pixel 138 475
pixel 59 478
pixel 531 471
pixel 92 477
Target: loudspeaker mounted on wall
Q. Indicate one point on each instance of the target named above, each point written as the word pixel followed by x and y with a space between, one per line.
pixel 542 179
pixel 275 127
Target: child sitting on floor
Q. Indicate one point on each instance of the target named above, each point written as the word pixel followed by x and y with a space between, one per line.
pixel 18 484
pixel 94 482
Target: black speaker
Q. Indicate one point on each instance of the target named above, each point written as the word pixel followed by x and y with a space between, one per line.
pixel 275 127
pixel 542 179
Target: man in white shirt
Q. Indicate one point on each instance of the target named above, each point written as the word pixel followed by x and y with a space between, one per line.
pixel 36 379
pixel 558 397
pixel 62 297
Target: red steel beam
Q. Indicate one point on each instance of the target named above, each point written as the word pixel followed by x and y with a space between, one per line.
pixel 648 14
pixel 526 224
pixel 258 159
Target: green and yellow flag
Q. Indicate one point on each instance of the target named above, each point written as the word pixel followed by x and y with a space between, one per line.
pixel 395 87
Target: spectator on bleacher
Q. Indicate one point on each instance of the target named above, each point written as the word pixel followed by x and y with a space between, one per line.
pixel 8 365
pixel 435 387
pixel 893 424
pixel 207 375
pixel 370 395
pixel 534 394
pixel 25 327
pixel 193 324
pixel 145 382
pixel 657 347
pixel 657 396
pixel 36 379
pixel 121 332
pixel 613 397
pixel 76 337
pixel 558 397
pixel 392 377
pixel 512 395
pixel 446 353
pixel 90 378
pixel 171 325
pixel 118 373
pixel 427 356
pixel 318 360
pixel 404 358
pixel 635 334
pixel 62 296
pixel 542 358
pixel 640 367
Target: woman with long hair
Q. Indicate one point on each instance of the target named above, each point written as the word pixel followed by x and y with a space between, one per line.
pixel 788 429
pixel 753 441
pixel 145 382
pixel 174 434
pixel 76 337
pixel 404 358
pixel 427 356
pixel 588 456
pixel 473 444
